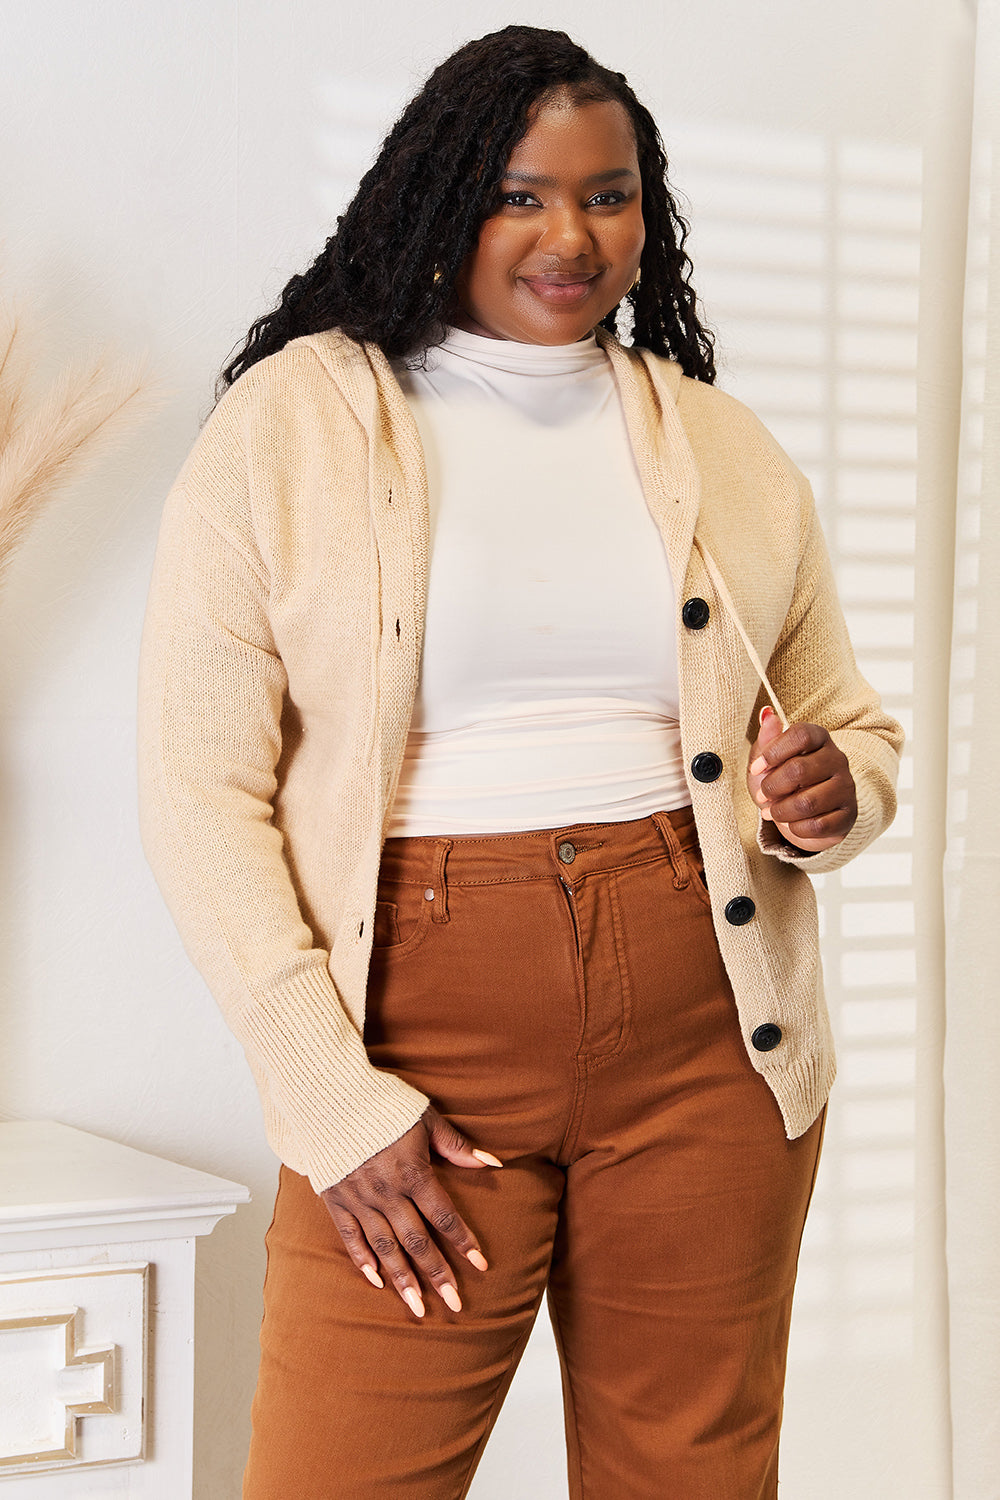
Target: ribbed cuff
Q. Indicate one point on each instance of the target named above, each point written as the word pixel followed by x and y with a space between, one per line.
pixel 865 830
pixel 802 1090
pixel 770 841
pixel 326 1108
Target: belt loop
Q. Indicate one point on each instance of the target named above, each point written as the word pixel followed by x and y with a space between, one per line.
pixel 682 876
pixel 440 881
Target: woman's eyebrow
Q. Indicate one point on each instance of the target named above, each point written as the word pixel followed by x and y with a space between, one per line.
pixel 532 179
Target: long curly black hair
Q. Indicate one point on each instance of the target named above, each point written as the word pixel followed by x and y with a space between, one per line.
pixel 388 273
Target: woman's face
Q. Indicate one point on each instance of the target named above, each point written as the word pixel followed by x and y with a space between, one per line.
pixel 563 247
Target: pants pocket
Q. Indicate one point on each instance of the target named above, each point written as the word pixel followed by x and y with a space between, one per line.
pixel 696 870
pixel 402 919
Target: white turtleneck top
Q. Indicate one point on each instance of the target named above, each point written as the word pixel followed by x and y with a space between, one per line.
pixel 548 687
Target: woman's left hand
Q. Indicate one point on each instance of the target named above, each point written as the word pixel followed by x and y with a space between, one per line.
pixel 802 783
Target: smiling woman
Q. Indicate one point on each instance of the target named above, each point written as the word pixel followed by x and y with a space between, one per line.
pixel 388 275
pixel 563 247
pixel 496 701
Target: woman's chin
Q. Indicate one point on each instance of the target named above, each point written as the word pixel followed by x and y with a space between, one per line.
pixel 538 321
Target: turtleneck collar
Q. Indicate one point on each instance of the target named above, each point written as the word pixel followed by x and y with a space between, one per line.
pixel 523 359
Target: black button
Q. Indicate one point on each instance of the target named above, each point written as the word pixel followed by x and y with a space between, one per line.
pixel 706 766
pixel 695 614
pixel 739 910
pixel 766 1038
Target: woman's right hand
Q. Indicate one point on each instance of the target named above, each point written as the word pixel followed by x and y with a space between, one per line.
pixel 385 1209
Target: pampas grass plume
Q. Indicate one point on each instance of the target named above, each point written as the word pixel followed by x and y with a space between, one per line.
pixel 47 441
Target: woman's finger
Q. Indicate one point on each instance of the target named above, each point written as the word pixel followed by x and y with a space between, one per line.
pixel 395 1266
pixel 426 1206
pixel 374 1240
pixel 440 1213
pixel 450 1143
pixel 392 1211
pixel 810 845
pixel 416 1248
pixel 804 775
pixel 805 802
pixel 797 739
pixel 423 1251
pixel 833 815
pixel 801 771
pixel 832 825
pixel 801 781
pixel 356 1244
pixel 773 747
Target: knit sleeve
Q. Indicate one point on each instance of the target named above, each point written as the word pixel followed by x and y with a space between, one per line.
pixel 817 680
pixel 212 686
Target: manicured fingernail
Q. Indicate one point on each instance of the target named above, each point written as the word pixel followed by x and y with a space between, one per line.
pixel 373 1276
pixel 766 815
pixel 478 1259
pixel 486 1159
pixel 758 766
pixel 413 1300
pixel 767 709
pixel 449 1295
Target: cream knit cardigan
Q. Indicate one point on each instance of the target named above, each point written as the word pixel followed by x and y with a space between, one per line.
pixel 280 662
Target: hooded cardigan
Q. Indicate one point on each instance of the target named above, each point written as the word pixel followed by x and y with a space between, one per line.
pixel 280 663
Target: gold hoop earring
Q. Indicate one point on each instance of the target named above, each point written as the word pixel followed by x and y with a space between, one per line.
pixel 438 275
pixel 635 282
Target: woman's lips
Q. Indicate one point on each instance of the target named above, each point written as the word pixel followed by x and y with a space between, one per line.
pixel 564 293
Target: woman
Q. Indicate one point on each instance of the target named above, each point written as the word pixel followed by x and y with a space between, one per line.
pixel 480 812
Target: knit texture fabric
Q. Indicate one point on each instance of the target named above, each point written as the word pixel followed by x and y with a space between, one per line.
pixel 280 661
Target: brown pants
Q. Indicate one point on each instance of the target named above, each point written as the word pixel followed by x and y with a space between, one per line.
pixel 561 998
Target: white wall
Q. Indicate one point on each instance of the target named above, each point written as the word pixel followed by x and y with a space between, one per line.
pixel 165 168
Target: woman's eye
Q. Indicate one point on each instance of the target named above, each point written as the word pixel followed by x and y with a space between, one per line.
pixel 609 199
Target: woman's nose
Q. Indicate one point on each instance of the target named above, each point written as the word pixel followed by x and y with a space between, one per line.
pixel 566 234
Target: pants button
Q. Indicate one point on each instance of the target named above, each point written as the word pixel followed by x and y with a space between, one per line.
pixel 567 853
